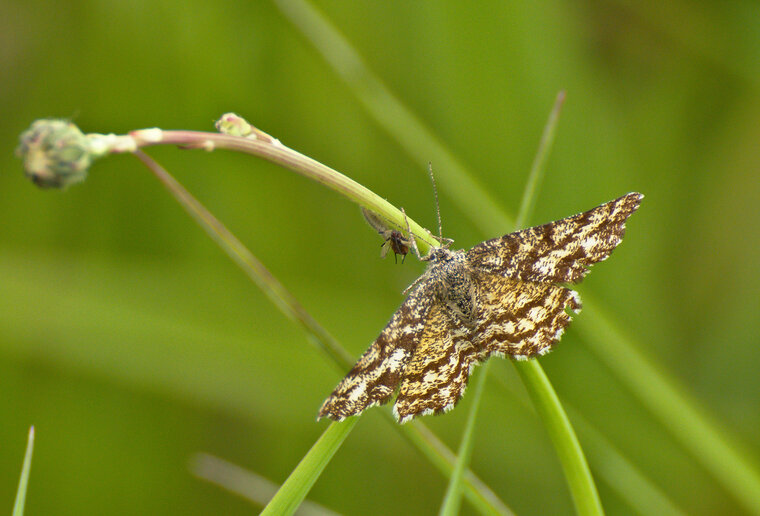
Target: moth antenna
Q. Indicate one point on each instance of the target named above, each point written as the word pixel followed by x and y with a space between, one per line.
pixel 437 206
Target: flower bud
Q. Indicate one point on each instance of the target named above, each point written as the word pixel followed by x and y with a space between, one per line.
pixel 234 125
pixel 55 153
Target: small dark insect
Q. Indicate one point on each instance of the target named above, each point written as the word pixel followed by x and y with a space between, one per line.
pixel 503 297
pixel 394 240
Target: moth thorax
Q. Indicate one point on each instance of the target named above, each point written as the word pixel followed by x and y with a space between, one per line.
pixel 456 288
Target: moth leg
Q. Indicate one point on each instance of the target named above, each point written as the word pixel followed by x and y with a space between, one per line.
pixel 412 240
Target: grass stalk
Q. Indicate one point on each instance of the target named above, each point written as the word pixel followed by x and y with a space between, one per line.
pixel 18 505
pixel 301 479
pixel 292 160
pixel 453 497
pixel 678 411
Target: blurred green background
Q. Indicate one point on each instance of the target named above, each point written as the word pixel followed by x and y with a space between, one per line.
pixel 131 342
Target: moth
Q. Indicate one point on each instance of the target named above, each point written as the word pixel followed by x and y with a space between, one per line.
pixel 503 297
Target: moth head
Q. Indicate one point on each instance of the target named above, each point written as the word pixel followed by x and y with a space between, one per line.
pixel 440 254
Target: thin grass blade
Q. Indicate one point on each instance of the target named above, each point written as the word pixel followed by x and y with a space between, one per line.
pixel 246 484
pixel 300 481
pixel 18 505
pixel 676 410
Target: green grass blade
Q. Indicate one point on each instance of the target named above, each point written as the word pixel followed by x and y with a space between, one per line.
pixel 300 481
pixel 395 118
pixel 246 484
pixel 675 409
pixel 18 506
pixel 577 472
pixel 453 498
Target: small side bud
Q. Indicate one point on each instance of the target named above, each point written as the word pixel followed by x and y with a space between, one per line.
pixel 234 125
pixel 55 152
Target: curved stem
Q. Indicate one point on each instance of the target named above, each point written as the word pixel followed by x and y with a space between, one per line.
pixel 295 161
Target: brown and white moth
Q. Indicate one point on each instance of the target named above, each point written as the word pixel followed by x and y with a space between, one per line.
pixel 502 297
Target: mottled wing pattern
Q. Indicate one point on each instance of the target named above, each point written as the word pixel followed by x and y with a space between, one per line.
pixel 437 373
pixel 514 308
pixel 515 318
pixel 378 372
pixel 520 319
pixel 560 251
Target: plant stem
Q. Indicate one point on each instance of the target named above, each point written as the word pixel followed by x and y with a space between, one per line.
pixel 298 484
pixel 577 472
pixel 18 505
pixel 452 499
pixel 295 161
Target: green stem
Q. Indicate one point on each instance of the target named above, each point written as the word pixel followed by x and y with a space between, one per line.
pixel 18 506
pixel 295 161
pixel 298 484
pixel 677 410
pixel 453 498
pixel 577 472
